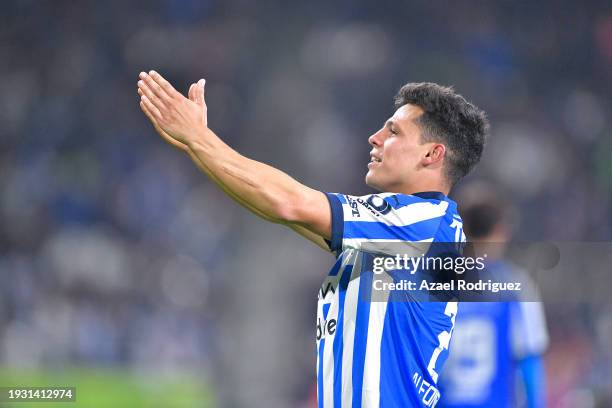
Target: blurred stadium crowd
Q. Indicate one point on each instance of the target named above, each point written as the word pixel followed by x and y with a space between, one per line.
pixel 115 251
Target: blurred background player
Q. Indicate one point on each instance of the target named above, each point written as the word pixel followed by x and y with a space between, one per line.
pixel 494 343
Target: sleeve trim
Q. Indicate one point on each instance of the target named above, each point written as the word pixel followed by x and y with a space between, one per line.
pixel 337 222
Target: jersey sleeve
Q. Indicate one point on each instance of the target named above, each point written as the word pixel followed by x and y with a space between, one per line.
pixel 529 333
pixel 528 321
pixel 357 220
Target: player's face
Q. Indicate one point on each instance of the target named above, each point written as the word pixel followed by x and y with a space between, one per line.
pixel 396 152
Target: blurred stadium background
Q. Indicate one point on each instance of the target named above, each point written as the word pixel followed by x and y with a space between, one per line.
pixel 126 274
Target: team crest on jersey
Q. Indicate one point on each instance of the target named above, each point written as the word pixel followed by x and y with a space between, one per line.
pixel 376 205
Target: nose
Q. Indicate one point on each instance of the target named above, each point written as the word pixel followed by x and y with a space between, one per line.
pixel 376 139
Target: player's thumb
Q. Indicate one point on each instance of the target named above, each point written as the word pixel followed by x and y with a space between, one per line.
pixel 200 91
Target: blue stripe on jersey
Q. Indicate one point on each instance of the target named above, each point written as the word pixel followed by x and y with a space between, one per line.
pixel 361 333
pixel 428 195
pixel 326 310
pixel 335 204
pixel 378 230
pixel 338 339
pixel 335 268
pixel 396 366
pixel 340 197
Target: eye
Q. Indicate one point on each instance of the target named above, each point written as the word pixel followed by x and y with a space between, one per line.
pixel 393 132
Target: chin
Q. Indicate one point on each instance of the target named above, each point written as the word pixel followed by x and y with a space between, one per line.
pixel 370 181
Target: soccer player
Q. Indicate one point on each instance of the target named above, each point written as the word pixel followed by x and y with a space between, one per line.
pixel 369 354
pixel 494 341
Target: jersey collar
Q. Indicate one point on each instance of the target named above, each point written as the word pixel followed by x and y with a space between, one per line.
pixel 430 195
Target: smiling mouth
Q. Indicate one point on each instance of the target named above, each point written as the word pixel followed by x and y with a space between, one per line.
pixel 374 161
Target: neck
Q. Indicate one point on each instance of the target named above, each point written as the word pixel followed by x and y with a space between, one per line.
pixel 424 185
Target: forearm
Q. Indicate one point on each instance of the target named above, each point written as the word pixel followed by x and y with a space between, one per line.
pixel 264 190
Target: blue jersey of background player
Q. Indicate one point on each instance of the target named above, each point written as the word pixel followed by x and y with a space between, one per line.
pixel 495 343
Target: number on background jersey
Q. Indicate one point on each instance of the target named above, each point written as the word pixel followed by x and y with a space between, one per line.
pixel 472 362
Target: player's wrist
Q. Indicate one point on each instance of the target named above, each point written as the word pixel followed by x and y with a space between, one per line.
pixel 199 139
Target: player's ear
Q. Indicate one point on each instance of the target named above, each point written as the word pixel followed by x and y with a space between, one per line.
pixel 435 154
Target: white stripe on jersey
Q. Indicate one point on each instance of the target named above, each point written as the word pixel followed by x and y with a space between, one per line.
pixel 387 246
pixel 318 368
pixel 371 372
pixel 407 215
pixel 328 358
pixel 348 333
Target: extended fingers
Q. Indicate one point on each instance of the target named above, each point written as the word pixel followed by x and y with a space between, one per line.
pixel 152 89
pixel 145 90
pixel 147 112
pixel 163 84
pixel 150 110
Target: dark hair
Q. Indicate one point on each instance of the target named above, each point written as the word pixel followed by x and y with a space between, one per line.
pixel 449 119
pixel 483 207
pixel 479 220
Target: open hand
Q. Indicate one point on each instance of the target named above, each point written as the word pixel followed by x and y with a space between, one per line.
pixel 178 120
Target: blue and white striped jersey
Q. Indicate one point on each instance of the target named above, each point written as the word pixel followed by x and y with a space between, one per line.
pixel 376 351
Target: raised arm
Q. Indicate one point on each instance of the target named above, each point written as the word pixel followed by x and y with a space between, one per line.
pixel 264 190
